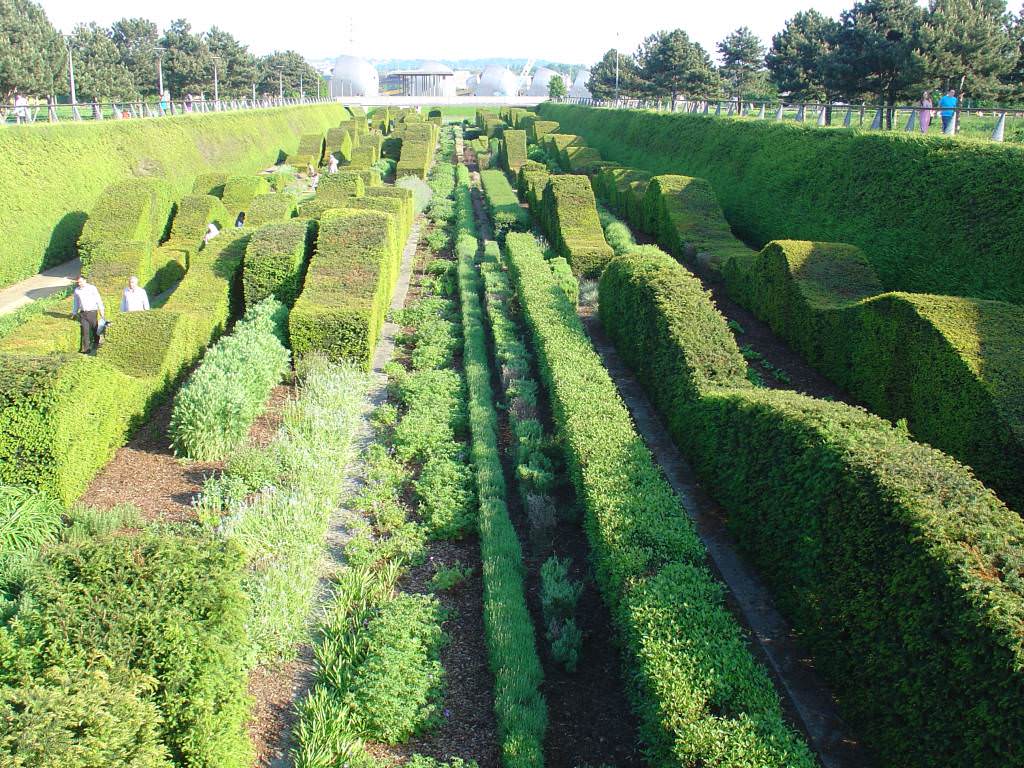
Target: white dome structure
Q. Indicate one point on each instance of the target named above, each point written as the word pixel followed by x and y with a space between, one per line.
pixel 472 82
pixel 462 77
pixel 497 81
pixel 579 89
pixel 354 77
pixel 542 81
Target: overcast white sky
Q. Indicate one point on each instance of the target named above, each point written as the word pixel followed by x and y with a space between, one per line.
pixel 572 31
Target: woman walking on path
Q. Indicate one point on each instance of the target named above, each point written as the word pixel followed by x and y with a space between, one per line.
pixel 926 111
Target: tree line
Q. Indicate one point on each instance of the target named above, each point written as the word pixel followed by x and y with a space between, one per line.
pixel 119 62
pixel 879 51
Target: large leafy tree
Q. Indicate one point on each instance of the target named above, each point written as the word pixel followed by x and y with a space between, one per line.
pixel 968 45
pixel 602 76
pixel 743 68
pixel 100 74
pixel 291 66
pixel 136 41
pixel 878 51
pixel 799 54
pixel 236 68
pixel 674 65
pixel 187 66
pixel 32 53
pixel 556 88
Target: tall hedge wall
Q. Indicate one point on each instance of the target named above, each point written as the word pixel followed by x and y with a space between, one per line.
pixel 569 215
pixel 513 150
pixel 348 286
pixel 900 570
pixel 933 215
pixel 50 175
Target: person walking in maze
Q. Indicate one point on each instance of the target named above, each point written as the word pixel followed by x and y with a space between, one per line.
pixel 946 106
pixel 134 298
pixel 333 166
pixel 926 111
pixel 87 308
pixel 211 232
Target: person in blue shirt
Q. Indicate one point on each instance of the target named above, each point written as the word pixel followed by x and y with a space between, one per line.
pixel 946 104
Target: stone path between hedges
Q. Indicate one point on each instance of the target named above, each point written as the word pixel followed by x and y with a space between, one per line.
pixel 39 286
pixel 805 694
pixel 337 533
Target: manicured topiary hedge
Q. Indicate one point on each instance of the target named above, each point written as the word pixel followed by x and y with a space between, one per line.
pixel 194 215
pixel 899 569
pixel 932 215
pixel 678 638
pixel 239 192
pixel 36 162
pixel 133 210
pixel 513 150
pixel 274 260
pixel 337 186
pixel 362 156
pixel 348 286
pixel 210 183
pixel 418 145
pixel 568 212
pixel 276 206
pixel 310 151
pixel 533 177
pixel 951 367
pixel 624 189
pixel 502 203
pixel 63 416
pixel 537 129
pixel 338 142
pixel 406 212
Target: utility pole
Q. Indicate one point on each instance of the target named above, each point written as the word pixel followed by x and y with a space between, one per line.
pixel 71 71
pixel 216 89
pixel 254 93
pixel 280 84
pixel 302 94
pixel 617 36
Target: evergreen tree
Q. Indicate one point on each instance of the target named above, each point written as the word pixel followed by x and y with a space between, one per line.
pixel 100 74
pixel 291 66
pixel 799 54
pixel 556 88
pixel 672 64
pixel 968 45
pixel 187 66
pixel 602 76
pixel 878 51
pixel 236 69
pixel 136 41
pixel 742 66
pixel 32 54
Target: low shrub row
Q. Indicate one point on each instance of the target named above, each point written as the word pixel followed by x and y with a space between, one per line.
pixel 898 568
pixel 568 213
pixel 348 286
pixel 503 204
pixel 274 261
pixel 700 696
pixel 518 704
pixel 217 405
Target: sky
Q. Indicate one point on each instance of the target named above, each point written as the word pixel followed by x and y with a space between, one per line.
pixel 570 31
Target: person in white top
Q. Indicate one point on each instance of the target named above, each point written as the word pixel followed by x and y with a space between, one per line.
pixel 333 166
pixel 87 307
pixel 21 108
pixel 211 232
pixel 134 298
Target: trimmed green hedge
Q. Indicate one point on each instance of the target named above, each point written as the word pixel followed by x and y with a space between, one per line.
pixel 533 177
pixel 506 213
pixel 195 213
pixel 932 215
pixel 513 150
pixel 239 192
pixel 537 129
pixel 334 187
pixel 419 142
pixel 276 206
pixel 701 698
pixel 568 212
pixel 348 286
pixel 274 260
pixel 363 156
pixel 62 416
pixel 133 210
pixel 898 568
pixel 624 190
pixel 309 152
pixel 51 174
pixel 951 367
pixel 338 142
pixel 210 183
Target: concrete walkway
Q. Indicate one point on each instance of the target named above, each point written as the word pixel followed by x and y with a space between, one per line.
pixel 39 286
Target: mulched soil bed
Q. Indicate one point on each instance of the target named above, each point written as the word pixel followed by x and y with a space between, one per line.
pixel 274 692
pixel 145 472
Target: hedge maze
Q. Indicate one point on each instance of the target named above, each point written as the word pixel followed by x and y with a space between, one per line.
pixel 507 507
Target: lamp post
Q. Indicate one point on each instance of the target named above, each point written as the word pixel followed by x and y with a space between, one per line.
pixel 280 84
pixel 216 89
pixel 71 75
pixel 302 95
pixel 159 50
pixel 617 34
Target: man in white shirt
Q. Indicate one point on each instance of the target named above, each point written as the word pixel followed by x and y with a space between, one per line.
pixel 134 298
pixel 87 306
pixel 211 232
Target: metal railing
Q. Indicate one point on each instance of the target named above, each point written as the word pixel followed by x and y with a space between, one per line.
pixel 127 110
pixel 976 122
